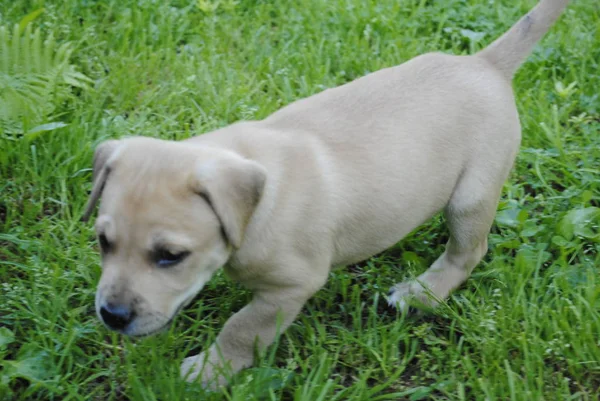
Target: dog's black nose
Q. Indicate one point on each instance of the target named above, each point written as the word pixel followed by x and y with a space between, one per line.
pixel 117 317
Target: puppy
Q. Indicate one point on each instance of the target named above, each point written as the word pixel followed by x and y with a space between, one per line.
pixel 326 181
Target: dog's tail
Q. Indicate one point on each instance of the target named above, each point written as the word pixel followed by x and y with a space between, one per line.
pixel 511 49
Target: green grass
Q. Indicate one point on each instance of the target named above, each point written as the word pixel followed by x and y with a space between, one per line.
pixel 526 326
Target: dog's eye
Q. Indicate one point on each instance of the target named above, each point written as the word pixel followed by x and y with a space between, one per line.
pixel 165 258
pixel 105 246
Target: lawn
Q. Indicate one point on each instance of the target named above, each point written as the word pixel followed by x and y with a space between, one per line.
pixel 526 326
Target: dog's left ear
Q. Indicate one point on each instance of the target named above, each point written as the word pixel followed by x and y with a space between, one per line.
pixel 103 153
pixel 232 186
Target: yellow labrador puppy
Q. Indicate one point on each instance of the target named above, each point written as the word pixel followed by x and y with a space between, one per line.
pixel 326 181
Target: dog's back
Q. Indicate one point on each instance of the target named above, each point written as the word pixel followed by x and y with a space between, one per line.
pixel 417 128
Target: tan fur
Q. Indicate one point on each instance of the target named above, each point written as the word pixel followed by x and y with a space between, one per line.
pixel 328 180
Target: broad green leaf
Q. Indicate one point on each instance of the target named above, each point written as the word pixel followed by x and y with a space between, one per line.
pixel 6 337
pixel 509 217
pixel 411 257
pixel 532 255
pixel 579 222
pixel 531 228
pixel 561 241
pixel 511 244
pixel 35 367
pixel 586 196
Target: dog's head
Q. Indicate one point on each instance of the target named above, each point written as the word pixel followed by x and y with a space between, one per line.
pixel 171 215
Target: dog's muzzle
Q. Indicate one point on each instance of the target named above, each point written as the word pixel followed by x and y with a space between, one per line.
pixel 116 317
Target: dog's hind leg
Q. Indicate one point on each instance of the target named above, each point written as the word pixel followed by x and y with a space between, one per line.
pixel 469 214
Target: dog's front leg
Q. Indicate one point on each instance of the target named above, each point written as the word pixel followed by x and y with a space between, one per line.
pixel 257 324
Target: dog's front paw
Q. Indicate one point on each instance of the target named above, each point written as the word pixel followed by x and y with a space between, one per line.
pixel 191 367
pixel 201 367
pixel 405 295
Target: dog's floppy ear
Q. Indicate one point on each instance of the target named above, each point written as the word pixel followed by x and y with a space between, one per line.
pixel 232 186
pixel 103 153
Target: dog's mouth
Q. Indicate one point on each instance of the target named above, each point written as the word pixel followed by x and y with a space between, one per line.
pixel 147 333
pixel 133 330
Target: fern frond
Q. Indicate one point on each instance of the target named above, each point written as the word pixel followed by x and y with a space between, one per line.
pixel 35 75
